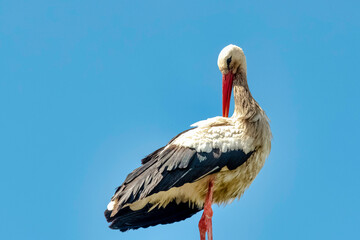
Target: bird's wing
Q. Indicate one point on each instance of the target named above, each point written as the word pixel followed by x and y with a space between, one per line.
pixel 191 156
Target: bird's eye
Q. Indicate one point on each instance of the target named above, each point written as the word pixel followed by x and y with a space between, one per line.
pixel 228 61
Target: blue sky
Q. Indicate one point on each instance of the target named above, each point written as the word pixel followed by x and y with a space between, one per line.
pixel 88 88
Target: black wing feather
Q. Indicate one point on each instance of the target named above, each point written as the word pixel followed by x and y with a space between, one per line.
pixel 202 164
pixel 167 167
pixel 143 218
pixel 174 167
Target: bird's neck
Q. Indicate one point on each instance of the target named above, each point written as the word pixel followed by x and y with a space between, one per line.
pixel 245 105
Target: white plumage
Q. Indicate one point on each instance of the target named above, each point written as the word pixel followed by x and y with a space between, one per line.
pixel 218 132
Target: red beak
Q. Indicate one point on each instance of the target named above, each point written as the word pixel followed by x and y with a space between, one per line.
pixel 227 87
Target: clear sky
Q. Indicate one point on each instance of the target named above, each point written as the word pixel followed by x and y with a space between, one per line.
pixel 88 88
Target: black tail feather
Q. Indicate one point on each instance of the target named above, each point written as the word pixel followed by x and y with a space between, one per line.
pixel 127 219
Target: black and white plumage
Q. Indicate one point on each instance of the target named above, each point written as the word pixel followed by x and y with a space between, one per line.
pixel 165 169
pixel 172 182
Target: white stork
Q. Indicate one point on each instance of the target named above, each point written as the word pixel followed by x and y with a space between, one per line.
pixel 214 162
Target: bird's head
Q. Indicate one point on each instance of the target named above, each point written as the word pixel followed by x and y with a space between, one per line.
pixel 231 61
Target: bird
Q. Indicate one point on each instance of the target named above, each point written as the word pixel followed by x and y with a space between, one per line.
pixel 213 162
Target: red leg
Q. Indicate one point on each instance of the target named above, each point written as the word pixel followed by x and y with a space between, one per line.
pixel 205 223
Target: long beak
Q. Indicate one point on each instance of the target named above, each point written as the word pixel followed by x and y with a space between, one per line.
pixel 227 87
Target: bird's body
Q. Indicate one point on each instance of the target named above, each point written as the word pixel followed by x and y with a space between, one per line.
pixel 214 162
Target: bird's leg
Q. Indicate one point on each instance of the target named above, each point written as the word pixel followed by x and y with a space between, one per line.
pixel 205 223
